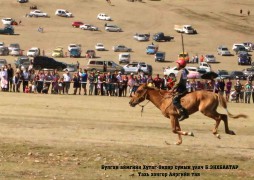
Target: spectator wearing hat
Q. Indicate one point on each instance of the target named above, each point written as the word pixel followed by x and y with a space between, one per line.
pixel 84 77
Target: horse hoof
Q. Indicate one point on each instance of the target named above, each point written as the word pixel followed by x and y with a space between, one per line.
pixel 190 134
pixel 218 136
pixel 232 133
pixel 178 143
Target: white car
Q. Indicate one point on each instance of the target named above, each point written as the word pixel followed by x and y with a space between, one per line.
pixel 38 13
pixel 223 50
pixel 100 47
pixel 112 28
pixel 1 44
pixel 88 27
pixel 103 16
pixel 210 58
pixel 63 13
pixel 7 21
pixel 71 46
pixel 193 72
pixel 15 52
pixel 141 37
pixel 33 52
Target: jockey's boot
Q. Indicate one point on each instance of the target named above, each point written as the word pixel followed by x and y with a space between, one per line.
pixel 184 114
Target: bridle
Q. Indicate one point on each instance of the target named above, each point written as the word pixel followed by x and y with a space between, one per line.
pixel 142 106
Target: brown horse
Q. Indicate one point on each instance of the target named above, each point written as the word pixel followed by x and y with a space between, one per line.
pixel 204 101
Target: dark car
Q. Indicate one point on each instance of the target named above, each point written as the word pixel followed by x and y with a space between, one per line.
pixel 237 75
pixel 4 51
pixel 76 24
pixel 161 37
pixel 41 62
pixel 159 56
pixel 75 52
pixel 223 74
pixel 244 59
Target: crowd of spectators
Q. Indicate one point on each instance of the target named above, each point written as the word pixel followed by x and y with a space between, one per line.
pixel 112 84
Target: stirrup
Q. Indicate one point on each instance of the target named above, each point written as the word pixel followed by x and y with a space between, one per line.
pixel 183 117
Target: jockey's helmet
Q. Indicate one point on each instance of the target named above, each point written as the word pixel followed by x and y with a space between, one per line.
pixel 181 62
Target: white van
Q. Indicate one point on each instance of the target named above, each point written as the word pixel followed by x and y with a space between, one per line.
pixel 63 13
pixel 124 58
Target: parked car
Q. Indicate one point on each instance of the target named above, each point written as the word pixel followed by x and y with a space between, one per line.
pixel 112 28
pixel 244 59
pixel 4 51
pixel 22 1
pixel 15 52
pixel 1 44
pixel 248 72
pixel 248 44
pixel 75 52
pixel 3 62
pixel 103 66
pixel 223 74
pixel 210 58
pixel 70 46
pixel 194 72
pixel 34 51
pixel 41 62
pixel 71 68
pixel 100 47
pixel 159 56
pixel 13 45
pixel 89 27
pixel 58 52
pixel 63 13
pixel 185 56
pixel 121 48
pixel 223 50
pixel 187 29
pixel 22 61
pixel 7 30
pixel 137 67
pixel 90 53
pixel 38 13
pixel 103 16
pixel 124 58
pixel 7 21
pixel 238 48
pixel 77 24
pixel 151 49
pixel 237 75
pixel 141 37
pixel 205 66
pixel 161 37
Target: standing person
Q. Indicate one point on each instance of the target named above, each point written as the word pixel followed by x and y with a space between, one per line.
pixel 202 58
pixel 75 81
pixel 252 92
pixel 48 80
pixel 91 79
pixel 221 87
pixel 4 79
pixel 238 89
pixel 10 73
pixel 66 82
pixel 241 11
pixel 15 82
pixel 131 82
pixel 180 88
pixel 248 12
pixel 217 86
pixel 125 85
pixel 39 81
pixel 164 82
pixel 26 78
pixel 84 80
pixel 157 81
pixel 248 88
pixel 228 89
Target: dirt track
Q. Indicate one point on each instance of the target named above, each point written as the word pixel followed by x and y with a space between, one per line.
pixel 72 136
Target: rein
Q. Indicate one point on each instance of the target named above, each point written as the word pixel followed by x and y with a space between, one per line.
pixel 142 106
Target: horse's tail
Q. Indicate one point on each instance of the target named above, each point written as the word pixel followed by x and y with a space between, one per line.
pixel 223 103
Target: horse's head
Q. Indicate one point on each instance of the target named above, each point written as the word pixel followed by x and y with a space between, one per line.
pixel 140 95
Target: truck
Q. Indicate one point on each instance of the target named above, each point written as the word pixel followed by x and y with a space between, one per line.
pixel 161 37
pixel 187 29
pixel 7 30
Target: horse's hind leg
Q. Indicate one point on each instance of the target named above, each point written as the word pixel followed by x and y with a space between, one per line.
pixel 224 117
pixel 217 117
